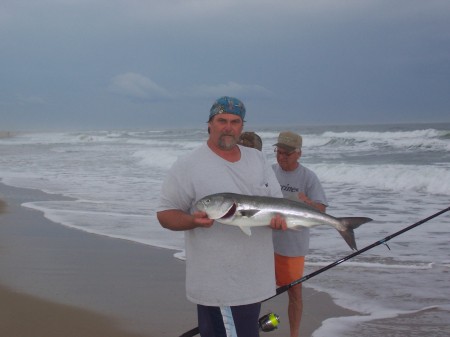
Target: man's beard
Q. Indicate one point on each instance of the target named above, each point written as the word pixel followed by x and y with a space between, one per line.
pixel 227 146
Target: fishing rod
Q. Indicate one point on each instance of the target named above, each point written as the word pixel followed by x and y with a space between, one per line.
pixel 285 288
pixel 282 289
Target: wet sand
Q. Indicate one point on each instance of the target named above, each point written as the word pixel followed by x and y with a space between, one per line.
pixel 59 281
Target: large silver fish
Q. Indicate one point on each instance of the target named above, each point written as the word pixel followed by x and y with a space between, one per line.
pixel 247 211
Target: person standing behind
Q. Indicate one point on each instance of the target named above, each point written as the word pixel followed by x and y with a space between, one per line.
pixel 250 139
pixel 228 273
pixel 298 183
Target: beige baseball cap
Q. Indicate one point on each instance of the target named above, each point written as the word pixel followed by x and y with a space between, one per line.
pixel 289 140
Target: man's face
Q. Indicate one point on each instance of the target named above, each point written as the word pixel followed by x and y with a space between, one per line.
pixel 287 159
pixel 225 130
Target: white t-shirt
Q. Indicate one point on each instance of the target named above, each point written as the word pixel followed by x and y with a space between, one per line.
pixel 296 242
pixel 224 266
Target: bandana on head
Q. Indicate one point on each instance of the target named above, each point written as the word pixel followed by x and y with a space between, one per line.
pixel 228 105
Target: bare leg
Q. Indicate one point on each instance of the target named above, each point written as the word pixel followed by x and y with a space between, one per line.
pixel 295 309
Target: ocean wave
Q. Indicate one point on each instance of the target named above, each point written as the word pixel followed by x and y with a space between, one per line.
pixel 392 177
pixel 341 326
pixel 429 139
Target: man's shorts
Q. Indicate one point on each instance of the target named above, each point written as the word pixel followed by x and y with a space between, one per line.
pixel 288 269
pixel 236 321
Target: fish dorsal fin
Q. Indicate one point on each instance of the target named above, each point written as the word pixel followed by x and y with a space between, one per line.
pixel 246 230
pixel 249 212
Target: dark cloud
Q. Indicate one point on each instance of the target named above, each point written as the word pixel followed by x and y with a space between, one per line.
pixel 80 63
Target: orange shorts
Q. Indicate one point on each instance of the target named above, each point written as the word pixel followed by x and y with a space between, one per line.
pixel 288 269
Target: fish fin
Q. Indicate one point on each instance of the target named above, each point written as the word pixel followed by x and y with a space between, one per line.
pixel 246 230
pixel 249 212
pixel 349 237
pixel 349 224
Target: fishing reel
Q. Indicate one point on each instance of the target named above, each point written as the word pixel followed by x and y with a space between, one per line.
pixel 269 322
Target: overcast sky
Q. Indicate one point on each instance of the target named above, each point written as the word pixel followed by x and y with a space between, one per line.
pixel 93 64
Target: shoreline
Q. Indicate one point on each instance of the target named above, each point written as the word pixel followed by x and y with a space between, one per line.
pixel 130 288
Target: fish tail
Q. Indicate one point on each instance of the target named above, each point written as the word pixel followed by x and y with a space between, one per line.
pixel 349 224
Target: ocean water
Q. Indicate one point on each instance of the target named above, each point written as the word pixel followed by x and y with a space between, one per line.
pixel 395 174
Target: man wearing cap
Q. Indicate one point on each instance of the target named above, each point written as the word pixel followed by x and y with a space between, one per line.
pixel 298 183
pixel 228 273
pixel 250 139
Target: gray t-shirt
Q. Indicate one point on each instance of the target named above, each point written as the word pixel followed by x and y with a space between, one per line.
pixel 296 242
pixel 224 266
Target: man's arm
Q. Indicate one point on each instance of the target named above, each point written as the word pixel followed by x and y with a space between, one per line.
pixel 177 220
pixel 316 205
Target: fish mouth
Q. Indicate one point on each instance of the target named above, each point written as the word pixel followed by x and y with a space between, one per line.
pixel 230 212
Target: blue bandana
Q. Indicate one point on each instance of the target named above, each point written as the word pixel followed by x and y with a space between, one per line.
pixel 228 105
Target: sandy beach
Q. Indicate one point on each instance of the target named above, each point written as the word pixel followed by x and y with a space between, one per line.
pixel 58 281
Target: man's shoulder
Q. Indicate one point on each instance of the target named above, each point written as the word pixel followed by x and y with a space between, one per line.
pixel 252 154
pixel 250 151
pixel 185 160
pixel 305 170
pixel 199 150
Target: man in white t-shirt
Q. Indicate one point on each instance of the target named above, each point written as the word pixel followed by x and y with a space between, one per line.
pixel 298 183
pixel 228 273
